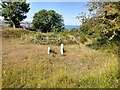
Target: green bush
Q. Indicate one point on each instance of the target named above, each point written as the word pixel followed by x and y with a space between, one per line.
pixel 65 31
pixel 83 38
pixel 74 31
pixel 39 36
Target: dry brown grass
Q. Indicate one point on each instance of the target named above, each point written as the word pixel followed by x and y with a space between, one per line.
pixel 29 65
pixel 10 28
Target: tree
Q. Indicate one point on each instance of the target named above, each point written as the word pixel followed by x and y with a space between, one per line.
pixel 104 23
pixel 109 19
pixel 14 12
pixel 48 21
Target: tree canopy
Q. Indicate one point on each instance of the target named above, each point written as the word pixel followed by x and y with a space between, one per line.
pixel 104 23
pixel 14 12
pixel 48 21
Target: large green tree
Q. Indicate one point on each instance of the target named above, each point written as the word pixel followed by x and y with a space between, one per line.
pixel 104 24
pixel 47 21
pixel 14 12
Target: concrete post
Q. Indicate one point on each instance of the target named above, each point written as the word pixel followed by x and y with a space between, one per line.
pixel 61 49
pixel 48 50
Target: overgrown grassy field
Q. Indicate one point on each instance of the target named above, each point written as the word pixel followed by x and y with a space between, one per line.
pixel 27 65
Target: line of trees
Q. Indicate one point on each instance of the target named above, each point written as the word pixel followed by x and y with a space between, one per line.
pixel 102 24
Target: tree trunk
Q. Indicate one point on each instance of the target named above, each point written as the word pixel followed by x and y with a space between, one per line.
pixel 13 24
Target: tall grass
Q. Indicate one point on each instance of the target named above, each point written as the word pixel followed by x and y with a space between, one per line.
pixel 27 65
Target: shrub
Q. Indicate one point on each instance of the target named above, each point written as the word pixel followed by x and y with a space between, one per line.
pixel 83 38
pixel 65 31
pixel 39 36
pixel 74 31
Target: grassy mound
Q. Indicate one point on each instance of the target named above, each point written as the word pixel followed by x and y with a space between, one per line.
pixel 13 33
